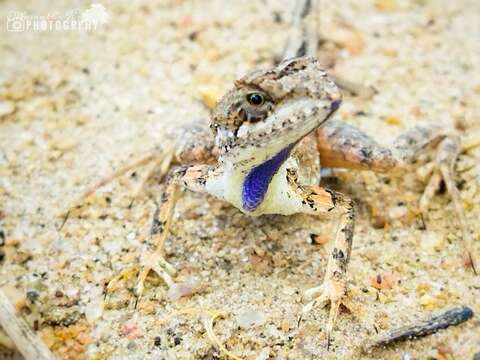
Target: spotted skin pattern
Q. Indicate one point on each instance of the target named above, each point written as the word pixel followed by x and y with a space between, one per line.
pixel 343 145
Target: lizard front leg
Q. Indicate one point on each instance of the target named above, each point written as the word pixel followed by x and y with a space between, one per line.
pixel 189 177
pixel 316 200
pixel 344 146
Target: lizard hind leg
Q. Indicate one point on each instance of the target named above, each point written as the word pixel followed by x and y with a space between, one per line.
pixel 344 146
pixel 192 145
pixel 444 164
pixel 153 158
pixel 413 142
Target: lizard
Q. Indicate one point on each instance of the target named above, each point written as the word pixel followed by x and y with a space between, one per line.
pixel 271 134
pixel 268 138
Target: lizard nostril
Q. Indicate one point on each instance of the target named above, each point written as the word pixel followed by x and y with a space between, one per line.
pixel 335 105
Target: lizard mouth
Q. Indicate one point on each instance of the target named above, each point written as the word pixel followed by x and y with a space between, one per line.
pixel 333 108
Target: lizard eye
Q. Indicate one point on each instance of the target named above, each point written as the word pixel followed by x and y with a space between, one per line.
pixel 255 99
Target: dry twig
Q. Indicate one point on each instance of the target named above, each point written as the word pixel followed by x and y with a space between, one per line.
pixel 25 340
pixel 423 328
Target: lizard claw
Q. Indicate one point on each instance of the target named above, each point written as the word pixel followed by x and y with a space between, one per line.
pixel 159 265
pixel 442 169
pixel 330 291
pixel 154 262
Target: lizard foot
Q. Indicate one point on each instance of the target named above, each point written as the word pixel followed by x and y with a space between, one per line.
pixel 155 262
pixel 443 169
pixel 330 291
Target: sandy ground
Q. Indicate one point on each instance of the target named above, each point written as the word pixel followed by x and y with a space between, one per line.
pixel 75 106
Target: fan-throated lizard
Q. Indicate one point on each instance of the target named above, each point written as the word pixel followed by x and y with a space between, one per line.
pixel 269 135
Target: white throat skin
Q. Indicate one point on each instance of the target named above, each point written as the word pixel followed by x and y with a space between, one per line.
pixel 227 184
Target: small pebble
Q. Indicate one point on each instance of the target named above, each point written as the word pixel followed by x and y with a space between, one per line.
pixel 386 5
pixel 94 309
pixel 250 318
pixel 319 239
pixel 32 296
pixel 264 354
pixel 84 338
pixel 210 96
pixel 431 241
pixel 187 288
pixel 287 290
pixel 131 236
pixel 131 330
pixel 6 108
pixel 393 120
pixel 397 212
pixel 444 351
pixel 430 302
pixel 383 280
pixel 379 221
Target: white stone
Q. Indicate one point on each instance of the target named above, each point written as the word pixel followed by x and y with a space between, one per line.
pixel 94 309
pixel 250 318
pixel 6 108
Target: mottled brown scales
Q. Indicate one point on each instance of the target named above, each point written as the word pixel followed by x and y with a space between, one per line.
pixel 238 110
pixel 266 112
pixel 306 155
pixel 275 87
pixel 342 145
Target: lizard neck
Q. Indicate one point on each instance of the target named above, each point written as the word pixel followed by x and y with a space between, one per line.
pixel 258 179
pixel 246 183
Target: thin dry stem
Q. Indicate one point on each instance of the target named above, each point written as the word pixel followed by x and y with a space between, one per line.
pixel 25 340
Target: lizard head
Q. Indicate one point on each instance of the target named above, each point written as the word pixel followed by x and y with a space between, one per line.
pixel 270 110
